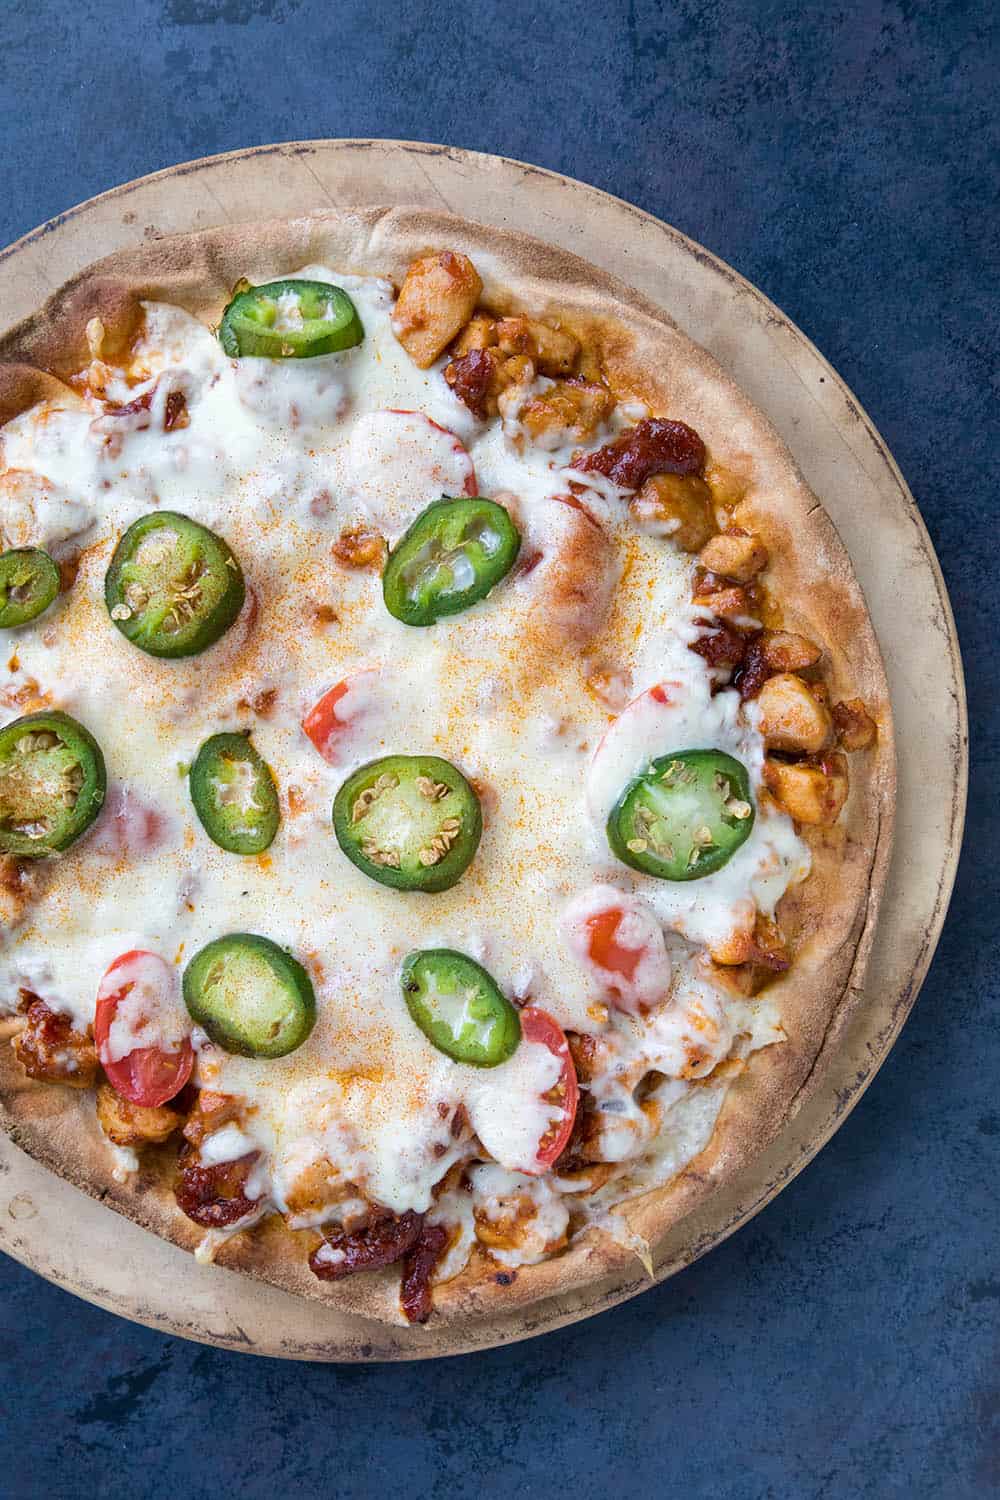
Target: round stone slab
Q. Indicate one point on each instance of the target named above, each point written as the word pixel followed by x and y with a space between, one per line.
pixel 64 1235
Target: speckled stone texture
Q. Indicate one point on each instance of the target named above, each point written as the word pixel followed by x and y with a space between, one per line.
pixel 843 158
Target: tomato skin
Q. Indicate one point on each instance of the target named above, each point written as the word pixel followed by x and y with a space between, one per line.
pixel 324 725
pixel 618 939
pixel 471 484
pixel 603 945
pixel 321 722
pixel 148 1076
pixel 538 1026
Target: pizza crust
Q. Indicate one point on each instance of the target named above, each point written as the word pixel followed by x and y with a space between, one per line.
pixel 833 913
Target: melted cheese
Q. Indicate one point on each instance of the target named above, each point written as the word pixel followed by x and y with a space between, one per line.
pixel 280 458
pixel 149 1014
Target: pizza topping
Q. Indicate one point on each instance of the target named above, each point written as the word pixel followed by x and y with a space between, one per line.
pixel 250 996
pixel 128 1125
pixel 419 1265
pixel 135 416
pixel 538 1027
pixel 52 783
pixel 553 351
pixel 411 822
pixel 480 377
pixel 289 319
pixel 653 446
pixel 518 1219
pixel 810 792
pixel 330 720
pixel 173 587
pixel 480 332
pixel 128 825
pixel 142 1031
pixel 360 547
pixel 35 512
pixel 52 1050
pixel 29 581
pixel 684 817
pixel 459 1007
pixel 216 1196
pixel 437 298
pixel 455 552
pixel 854 725
pixel 473 377
pixel 792 717
pixel 234 795
pixel 734 554
pixel 677 507
pixel 618 939
pixel 566 411
pixel 385 1240
pixel 722 647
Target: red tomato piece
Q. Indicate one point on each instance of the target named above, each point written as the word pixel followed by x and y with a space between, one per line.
pixel 643 728
pixel 128 825
pixel 538 1026
pixel 619 937
pixel 336 712
pixel 458 447
pixel 603 946
pixel 147 1075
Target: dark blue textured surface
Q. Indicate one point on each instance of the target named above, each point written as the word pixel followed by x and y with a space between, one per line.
pixel 843 158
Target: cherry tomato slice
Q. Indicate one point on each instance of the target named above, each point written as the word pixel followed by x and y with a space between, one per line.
pixel 327 720
pixel 604 948
pixel 147 1075
pixel 538 1026
pixel 459 449
pixel 618 938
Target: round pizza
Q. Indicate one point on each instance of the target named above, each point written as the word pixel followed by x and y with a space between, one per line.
pixel 446 769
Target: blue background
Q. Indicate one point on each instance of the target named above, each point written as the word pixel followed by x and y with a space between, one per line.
pixel 841 156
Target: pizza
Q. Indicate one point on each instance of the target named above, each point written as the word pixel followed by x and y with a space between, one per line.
pixel 446 765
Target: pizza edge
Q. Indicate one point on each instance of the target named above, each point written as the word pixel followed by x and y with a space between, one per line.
pixel 809 572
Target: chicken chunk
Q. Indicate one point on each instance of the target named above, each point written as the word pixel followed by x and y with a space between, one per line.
pixel 553 351
pixel 568 411
pixel 128 1124
pixel 791 718
pixel 436 300
pixel 727 604
pixel 572 582
pixel 809 793
pixel 784 651
pixel 676 506
pixel 854 725
pixel 734 554
pixel 360 547
pixel 480 332
pixel 50 1049
pixel 480 377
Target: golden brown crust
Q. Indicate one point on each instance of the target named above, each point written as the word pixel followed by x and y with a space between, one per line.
pixel 831 917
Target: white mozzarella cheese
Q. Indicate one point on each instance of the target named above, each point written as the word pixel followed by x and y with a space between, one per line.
pixel 279 458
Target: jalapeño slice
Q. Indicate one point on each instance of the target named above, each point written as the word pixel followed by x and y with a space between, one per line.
pixel 251 996
pixel 459 1007
pixel 450 558
pixel 52 783
pixel 234 794
pixel 684 817
pixel 412 822
pixel 173 587
pixel 29 581
pixel 290 319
